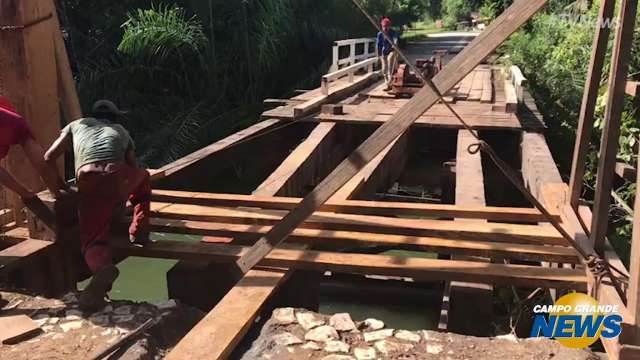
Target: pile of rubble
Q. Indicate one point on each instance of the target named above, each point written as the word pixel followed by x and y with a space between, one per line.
pixel 301 334
pixel 67 332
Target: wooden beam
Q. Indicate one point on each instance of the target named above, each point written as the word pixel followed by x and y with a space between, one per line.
pixel 483 45
pixel 538 166
pixel 417 268
pixel 376 171
pixel 362 207
pixel 633 297
pixel 215 336
pixel 301 167
pixel 498 232
pixel 16 254
pixel 632 88
pixel 68 93
pixel 589 98
pixel 469 176
pixel 219 145
pixel 340 238
pixel 613 115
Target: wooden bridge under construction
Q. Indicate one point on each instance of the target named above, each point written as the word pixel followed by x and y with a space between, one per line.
pixel 425 191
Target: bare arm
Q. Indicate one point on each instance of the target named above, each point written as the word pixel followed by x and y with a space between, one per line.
pixel 58 148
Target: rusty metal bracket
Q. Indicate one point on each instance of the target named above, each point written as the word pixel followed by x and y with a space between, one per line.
pixel 27 25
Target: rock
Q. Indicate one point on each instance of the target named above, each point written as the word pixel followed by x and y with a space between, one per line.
pixel 140 350
pixel 373 324
pixel 53 320
pixel 311 345
pixel 72 325
pixel 100 320
pixel 322 333
pixel 342 322
pixel 41 319
pixel 107 332
pixel 377 335
pixel 166 305
pixel 70 298
pixel 334 346
pixel 123 310
pixel 434 348
pixel 284 316
pixel 392 347
pixel 286 339
pixel 73 315
pixel 338 357
pixel 123 318
pixel 47 328
pixel 57 336
pixel 107 309
pixel 366 353
pixel 309 320
pixel 508 337
pixel 407 335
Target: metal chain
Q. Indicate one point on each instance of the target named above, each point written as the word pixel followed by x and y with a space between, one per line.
pixel 596 264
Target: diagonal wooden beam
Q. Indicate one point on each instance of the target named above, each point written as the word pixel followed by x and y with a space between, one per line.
pixel 494 35
pixel 591 88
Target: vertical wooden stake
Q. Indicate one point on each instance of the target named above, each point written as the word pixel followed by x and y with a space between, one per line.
pixel 633 294
pixel 613 115
pixel 590 95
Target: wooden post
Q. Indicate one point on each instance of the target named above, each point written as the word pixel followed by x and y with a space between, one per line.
pixel 633 294
pixel 613 115
pixel 589 97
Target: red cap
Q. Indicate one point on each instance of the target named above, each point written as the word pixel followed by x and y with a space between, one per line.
pixel 385 21
pixel 6 104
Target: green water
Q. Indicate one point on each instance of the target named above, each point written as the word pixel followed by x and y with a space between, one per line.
pixel 145 279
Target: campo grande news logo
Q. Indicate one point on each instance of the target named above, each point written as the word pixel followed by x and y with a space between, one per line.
pixel 576 320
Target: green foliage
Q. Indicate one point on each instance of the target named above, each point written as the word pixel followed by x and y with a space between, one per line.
pixel 456 10
pixel 553 51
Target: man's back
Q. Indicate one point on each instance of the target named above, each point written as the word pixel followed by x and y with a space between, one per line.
pixel 98 140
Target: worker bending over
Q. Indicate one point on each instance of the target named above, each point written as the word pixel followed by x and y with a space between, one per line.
pixel 14 130
pixel 388 57
pixel 106 175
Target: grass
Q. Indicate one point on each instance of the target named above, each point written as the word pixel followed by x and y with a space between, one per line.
pixel 421 30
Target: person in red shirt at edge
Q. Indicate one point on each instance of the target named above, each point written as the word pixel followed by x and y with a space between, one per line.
pixel 14 130
pixel 107 175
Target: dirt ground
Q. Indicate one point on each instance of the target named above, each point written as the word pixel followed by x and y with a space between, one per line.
pixel 68 333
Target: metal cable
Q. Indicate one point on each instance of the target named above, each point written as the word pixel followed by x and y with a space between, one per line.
pixel 596 264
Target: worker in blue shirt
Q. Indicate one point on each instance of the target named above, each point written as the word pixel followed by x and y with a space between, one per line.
pixel 388 57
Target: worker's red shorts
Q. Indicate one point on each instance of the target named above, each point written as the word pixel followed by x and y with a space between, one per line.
pixel 13 128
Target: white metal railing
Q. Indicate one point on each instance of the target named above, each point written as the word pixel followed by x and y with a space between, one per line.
pixel 347 71
pixel 352 58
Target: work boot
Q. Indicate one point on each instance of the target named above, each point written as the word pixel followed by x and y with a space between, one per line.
pixel 140 239
pixel 92 298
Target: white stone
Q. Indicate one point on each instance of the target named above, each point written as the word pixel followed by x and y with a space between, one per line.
pixel 434 348
pixel 123 318
pixel 509 337
pixel 322 333
pixel 407 335
pixel 57 336
pixel 387 347
pixel 367 353
pixel 377 335
pixel 42 321
pixel 106 332
pixel 123 310
pixel 311 345
pixel 47 328
pixel 373 324
pixel 342 322
pixel 286 339
pixel 309 320
pixel 338 357
pixel 53 320
pixel 334 346
pixel 72 325
pixel 107 309
pixel 166 305
pixel 284 316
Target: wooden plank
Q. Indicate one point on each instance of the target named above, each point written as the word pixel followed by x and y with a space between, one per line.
pixel 339 238
pixel 417 268
pixel 626 171
pixel 632 88
pixel 483 45
pixel 16 254
pixel 362 207
pixel 286 179
pixel 633 294
pixel 469 176
pixel 357 182
pixel 465 87
pixel 487 87
pixel 589 98
pixel 538 166
pixel 499 232
pixel 613 116
pixel 511 97
pixel 16 327
pixel 476 86
pixel 219 145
